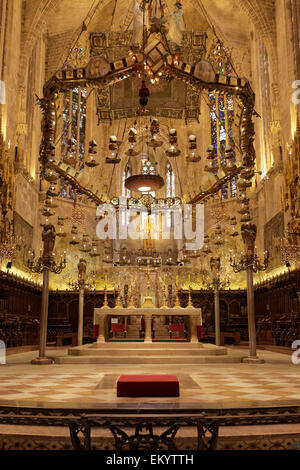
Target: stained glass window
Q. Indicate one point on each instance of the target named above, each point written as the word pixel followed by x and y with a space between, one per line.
pixel 170 181
pixel 74 123
pixel 73 127
pixel 170 189
pixel 222 129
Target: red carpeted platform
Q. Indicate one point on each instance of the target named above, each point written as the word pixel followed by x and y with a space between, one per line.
pixel 148 386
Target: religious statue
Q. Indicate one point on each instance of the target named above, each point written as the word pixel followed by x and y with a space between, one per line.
pixel 249 235
pixel 81 266
pixel 48 238
pixel 174 34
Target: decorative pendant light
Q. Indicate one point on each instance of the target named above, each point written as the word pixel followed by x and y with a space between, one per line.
pixel 146 181
pixel 144 94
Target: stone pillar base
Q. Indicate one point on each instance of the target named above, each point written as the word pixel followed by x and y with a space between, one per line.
pixel 253 360
pixel 42 361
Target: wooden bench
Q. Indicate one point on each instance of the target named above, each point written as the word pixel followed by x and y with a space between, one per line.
pixel 148 386
pixel 235 335
pixel 60 338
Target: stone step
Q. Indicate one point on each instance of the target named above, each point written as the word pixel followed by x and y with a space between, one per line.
pixel 173 360
pixel 142 345
pixel 148 352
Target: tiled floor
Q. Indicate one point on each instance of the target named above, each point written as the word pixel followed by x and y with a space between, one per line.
pixel 277 382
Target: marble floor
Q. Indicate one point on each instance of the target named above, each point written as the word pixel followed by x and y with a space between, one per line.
pixel 274 383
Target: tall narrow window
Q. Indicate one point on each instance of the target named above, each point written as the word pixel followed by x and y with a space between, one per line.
pixel 73 127
pixel 295 25
pixel 267 158
pixel 30 110
pixel 170 181
pixel 170 189
pixel 125 192
pixel 222 122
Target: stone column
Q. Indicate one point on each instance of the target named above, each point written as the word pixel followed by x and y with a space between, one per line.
pixel 80 316
pixel 101 333
pixel 249 235
pixel 251 313
pixel 193 319
pixel 148 332
pixel 81 266
pixel 217 316
pixel 42 359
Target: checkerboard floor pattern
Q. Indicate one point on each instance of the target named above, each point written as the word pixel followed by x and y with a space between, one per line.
pixel 209 387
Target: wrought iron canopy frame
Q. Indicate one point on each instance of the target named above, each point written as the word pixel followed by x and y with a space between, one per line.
pixel 99 73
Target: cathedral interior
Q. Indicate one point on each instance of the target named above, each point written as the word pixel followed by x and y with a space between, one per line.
pixel 149 224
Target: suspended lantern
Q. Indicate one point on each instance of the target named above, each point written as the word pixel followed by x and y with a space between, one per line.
pixel 52 190
pixel 144 94
pixel 154 126
pixel 94 252
pixel 247 173
pixel 71 145
pixel 50 203
pixel 50 176
pixel 212 165
pixel 244 184
pixel 206 249
pixel 60 232
pixel 219 239
pixel 132 135
pixel 113 159
pixel 47 212
pixel 173 151
pixel 74 232
pixel 85 247
pixel 60 220
pixel 173 136
pixel 192 142
pixel 113 143
pixel 244 208
pixel 51 152
pixel 192 156
pixel 70 158
pixel 155 142
pixel 233 223
pixel 91 162
pixel 246 218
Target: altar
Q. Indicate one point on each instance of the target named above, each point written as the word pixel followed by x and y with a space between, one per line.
pixel 101 315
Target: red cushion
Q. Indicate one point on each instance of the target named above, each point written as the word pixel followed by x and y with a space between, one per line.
pixel 148 386
pixel 118 327
pixel 176 327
